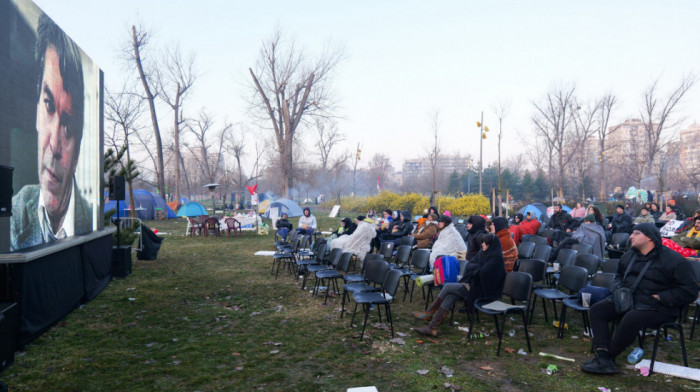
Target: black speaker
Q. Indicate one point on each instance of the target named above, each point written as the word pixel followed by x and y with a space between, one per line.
pixel 8 320
pixel 121 261
pixel 6 190
pixel 117 188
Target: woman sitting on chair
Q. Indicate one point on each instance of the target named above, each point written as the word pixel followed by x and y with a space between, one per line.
pixel 483 278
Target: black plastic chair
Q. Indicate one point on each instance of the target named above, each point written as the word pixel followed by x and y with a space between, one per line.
pixel 588 261
pixel 610 265
pixel 518 286
pixel 420 262
pixel 387 250
pixel 285 258
pixel 572 279
pixel 539 240
pixel 696 269
pixel 331 263
pixel 564 258
pixel 619 243
pixel 599 280
pixel 665 327
pixel 542 252
pixel 402 257
pixel 536 268
pixel 333 275
pixel 384 297
pixel 303 264
pixel 527 238
pixel 582 248
pixel 526 250
pixel 374 274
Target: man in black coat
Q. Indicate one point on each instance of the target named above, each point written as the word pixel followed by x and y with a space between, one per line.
pixel 665 288
pixel 475 225
pixel 621 222
pixel 560 222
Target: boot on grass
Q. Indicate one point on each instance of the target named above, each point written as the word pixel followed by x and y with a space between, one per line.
pixel 428 314
pixel 432 328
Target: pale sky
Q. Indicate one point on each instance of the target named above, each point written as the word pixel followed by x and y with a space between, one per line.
pixel 407 59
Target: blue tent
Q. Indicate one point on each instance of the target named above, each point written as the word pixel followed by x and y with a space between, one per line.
pixel 192 209
pixel 284 206
pixel 146 204
pixel 535 209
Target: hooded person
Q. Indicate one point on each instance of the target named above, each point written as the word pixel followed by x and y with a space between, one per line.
pixel 402 227
pixel 518 219
pixel 525 227
pixel 510 251
pixel 587 233
pixel 449 241
pixel 667 285
pixel 359 241
pixel 475 226
pixel 307 222
pixel 425 234
pixel 484 277
pixel 347 227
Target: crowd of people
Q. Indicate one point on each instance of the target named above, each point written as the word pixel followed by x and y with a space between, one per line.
pixel 490 249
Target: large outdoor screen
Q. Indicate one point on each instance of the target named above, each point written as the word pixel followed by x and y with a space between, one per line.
pixel 50 128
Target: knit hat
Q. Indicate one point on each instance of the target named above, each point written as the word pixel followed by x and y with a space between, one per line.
pixel 589 218
pixel 620 206
pixel 361 218
pixel 447 213
pixel 445 219
pixel 650 230
pixel 500 223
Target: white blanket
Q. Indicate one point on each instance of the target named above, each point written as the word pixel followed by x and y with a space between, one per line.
pixel 449 242
pixel 357 242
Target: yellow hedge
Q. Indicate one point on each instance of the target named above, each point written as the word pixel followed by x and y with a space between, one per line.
pixel 414 202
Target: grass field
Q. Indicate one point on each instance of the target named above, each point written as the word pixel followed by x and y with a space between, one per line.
pixel 207 316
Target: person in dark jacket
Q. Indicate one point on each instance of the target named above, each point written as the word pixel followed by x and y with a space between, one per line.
pixel 401 228
pixel 483 277
pixel 665 288
pixel 475 225
pixel 655 211
pixel 560 220
pixel 347 227
pixel 588 233
pixel 621 222
pixel 284 227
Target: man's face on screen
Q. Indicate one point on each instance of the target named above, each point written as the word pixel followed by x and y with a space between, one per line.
pixel 58 144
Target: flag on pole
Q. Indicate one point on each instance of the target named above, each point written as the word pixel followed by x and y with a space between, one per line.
pixel 379 185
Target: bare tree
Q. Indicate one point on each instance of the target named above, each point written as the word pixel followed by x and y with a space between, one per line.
pixel 328 137
pixel 140 39
pixel 380 168
pixel 585 127
pixel 123 110
pixel 656 117
pixel 607 105
pixel 536 148
pixel 516 163
pixel 501 111
pixel 210 154
pixel 178 75
pixel 691 171
pixel 434 152
pixel 553 121
pixel 288 87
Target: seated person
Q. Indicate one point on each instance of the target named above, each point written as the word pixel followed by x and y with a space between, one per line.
pixel 307 223
pixel 347 227
pixel 449 242
pixel 666 287
pixel 644 217
pixel 517 219
pixel 475 225
pixel 688 223
pixel 655 211
pixel 425 234
pixel 283 227
pixel 510 251
pixel 559 222
pixel 629 210
pixel 669 215
pixel 579 211
pixel 359 241
pixel 690 238
pixel 402 227
pixel 588 233
pixel 483 278
pixel 383 227
pixel 371 214
pixel 528 226
pixel 621 222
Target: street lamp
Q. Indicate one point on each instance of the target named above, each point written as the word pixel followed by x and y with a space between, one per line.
pixel 211 187
pixel 482 135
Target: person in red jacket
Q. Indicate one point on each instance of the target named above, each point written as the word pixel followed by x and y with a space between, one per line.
pixel 528 226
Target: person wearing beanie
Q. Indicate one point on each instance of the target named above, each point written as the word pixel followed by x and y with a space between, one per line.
pixel 667 286
pixel 510 251
pixel 621 222
pixel 347 227
pixel 449 241
pixel 644 217
pixel 587 233
pixel 425 234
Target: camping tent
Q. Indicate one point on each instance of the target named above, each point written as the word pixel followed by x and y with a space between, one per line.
pixel 535 209
pixel 264 205
pixel 284 206
pixel 146 204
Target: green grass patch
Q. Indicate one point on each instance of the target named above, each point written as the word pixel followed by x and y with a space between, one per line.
pixel 207 315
